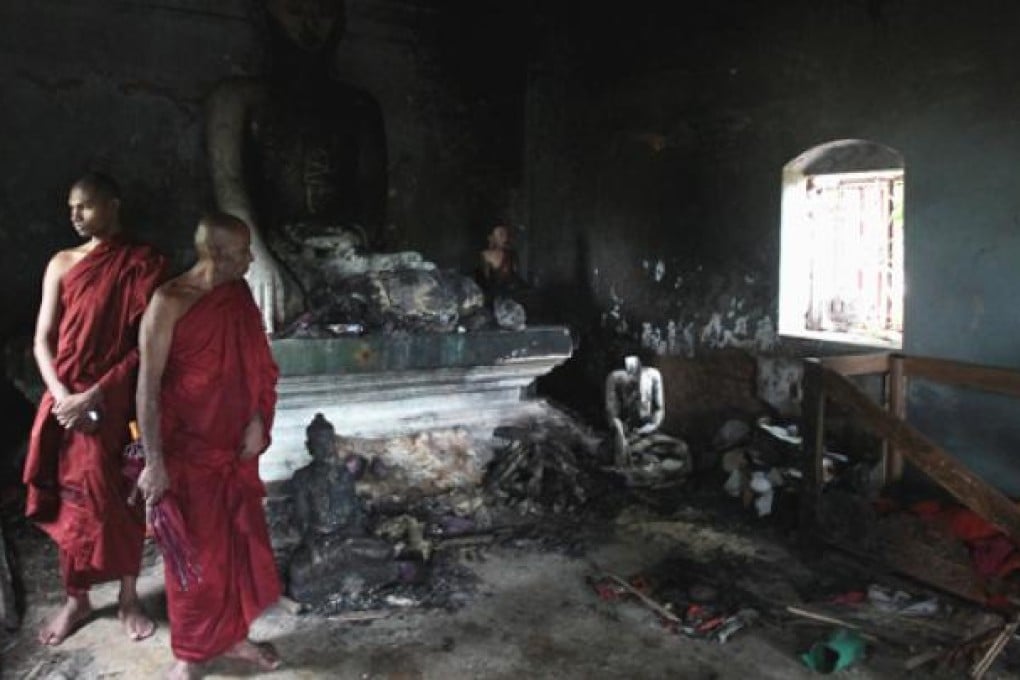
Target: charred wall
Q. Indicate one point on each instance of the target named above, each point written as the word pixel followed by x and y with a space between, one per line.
pixel 657 134
pixel 638 150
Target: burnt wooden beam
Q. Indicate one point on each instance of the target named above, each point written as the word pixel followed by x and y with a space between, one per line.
pixel 858 364
pixel 987 378
pixel 952 475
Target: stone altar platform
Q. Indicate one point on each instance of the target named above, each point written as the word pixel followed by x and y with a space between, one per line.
pixel 387 385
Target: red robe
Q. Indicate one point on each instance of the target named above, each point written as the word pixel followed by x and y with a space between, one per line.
pixel 76 491
pixel 219 374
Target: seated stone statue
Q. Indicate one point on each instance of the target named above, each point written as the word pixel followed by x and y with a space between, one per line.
pixel 503 287
pixel 497 270
pixel 335 556
pixel 635 409
pixel 325 497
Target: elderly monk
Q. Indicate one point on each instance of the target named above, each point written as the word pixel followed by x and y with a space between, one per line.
pixel 86 336
pixel 206 395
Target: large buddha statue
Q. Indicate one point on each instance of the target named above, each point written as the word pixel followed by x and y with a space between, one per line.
pixel 298 155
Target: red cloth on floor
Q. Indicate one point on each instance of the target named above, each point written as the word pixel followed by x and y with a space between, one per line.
pixel 76 492
pixel 991 555
pixel 961 522
pixel 992 552
pixel 219 374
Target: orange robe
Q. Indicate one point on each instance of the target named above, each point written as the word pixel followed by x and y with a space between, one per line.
pixel 219 374
pixel 76 492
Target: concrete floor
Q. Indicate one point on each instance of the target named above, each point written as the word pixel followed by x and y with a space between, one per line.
pixel 532 616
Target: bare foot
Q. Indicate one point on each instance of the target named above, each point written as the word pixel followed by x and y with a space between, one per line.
pixel 64 622
pixel 262 654
pixel 182 670
pixel 137 624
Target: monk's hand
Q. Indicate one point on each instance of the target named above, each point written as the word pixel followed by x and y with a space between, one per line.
pixel 254 441
pixel 153 482
pixel 80 411
pixel 266 282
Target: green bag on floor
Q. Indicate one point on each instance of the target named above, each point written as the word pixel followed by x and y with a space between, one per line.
pixel 841 650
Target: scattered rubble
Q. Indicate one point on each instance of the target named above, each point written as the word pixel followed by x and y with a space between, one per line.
pixel 408 300
pixel 538 469
pixel 536 474
pixel 700 618
pixel 509 314
pixel 542 476
pixel 377 523
pixel 389 525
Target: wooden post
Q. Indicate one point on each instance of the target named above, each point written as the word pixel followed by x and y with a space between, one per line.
pixel 813 444
pixel 897 404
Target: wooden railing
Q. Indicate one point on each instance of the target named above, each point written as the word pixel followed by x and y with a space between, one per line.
pixel 828 379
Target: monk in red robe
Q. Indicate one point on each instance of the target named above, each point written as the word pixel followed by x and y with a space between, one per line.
pixel 86 346
pixel 206 396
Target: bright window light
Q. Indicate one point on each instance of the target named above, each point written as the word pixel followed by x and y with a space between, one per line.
pixel 842 275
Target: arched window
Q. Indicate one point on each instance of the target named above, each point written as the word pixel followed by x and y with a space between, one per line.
pixel 841 267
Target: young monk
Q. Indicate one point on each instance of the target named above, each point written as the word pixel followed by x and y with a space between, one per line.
pixel 85 345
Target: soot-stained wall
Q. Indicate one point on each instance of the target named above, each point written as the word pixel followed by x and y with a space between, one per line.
pixel 656 142
pixel 120 87
pixel 117 87
pixel 638 150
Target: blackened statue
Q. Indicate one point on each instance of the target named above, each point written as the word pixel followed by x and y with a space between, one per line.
pixel 298 155
pixel 326 499
pixel 336 555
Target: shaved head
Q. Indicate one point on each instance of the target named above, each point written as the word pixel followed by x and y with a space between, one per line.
pixel 99 184
pixel 218 230
pixel 224 241
pixel 94 202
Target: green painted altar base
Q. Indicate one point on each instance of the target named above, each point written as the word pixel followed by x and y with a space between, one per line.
pixel 378 353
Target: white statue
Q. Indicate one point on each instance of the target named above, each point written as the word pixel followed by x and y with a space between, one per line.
pixel 635 409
